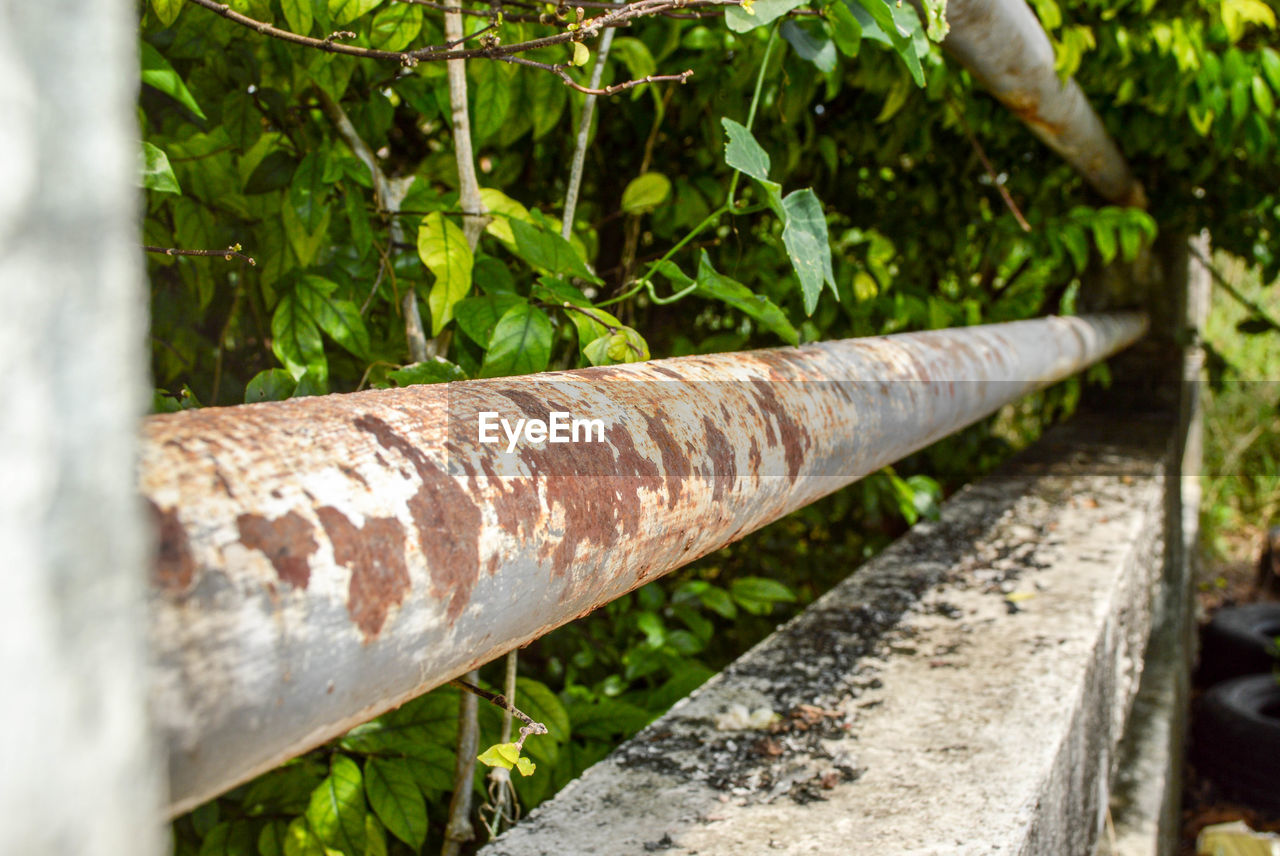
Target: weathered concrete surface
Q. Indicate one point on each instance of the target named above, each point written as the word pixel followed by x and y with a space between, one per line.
pixel 960 694
pixel 78 774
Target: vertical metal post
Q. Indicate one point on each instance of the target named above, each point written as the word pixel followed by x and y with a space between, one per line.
pixel 78 774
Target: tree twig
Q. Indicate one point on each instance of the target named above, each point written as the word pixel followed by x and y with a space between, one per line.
pixel 459 830
pixel 230 253
pixel 1232 291
pixel 388 199
pixel 991 170
pixel 584 131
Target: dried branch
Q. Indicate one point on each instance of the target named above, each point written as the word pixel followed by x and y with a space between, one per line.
pixel 230 253
pixel 991 170
pixel 458 831
pixel 584 132
pixel 562 70
pixel 499 700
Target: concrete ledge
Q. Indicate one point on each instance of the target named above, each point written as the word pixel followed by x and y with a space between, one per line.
pixel 963 693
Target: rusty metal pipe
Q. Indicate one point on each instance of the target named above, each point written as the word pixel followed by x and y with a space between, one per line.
pixel 325 559
pixel 1003 45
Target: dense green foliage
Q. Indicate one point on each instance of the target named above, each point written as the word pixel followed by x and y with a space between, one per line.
pixel 813 179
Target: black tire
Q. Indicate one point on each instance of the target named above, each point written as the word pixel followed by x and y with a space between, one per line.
pixel 1237 739
pixel 1239 641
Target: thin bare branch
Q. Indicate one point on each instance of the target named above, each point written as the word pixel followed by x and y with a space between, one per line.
pixel 230 253
pixel 562 70
pixel 991 170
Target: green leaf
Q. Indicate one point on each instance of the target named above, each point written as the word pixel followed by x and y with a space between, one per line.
pixel 1105 237
pixel 270 385
pixel 443 249
pixel 306 244
pixel 624 345
pixel 581 54
pixel 272 837
pixel 1073 238
pixel 336 316
pixel 525 766
pixel 299 840
pixel 421 728
pixel 805 237
pixel 935 13
pixel 742 152
pixel 230 838
pixel 346 11
pixel 429 371
pixel 477 316
pixel 308 191
pixel 1262 98
pixel 295 339
pixel 503 755
pixel 157 73
pixel 548 251
pixel 819 50
pixel 167 10
pixel 716 286
pixel 539 702
pixel 763 12
pixel 521 343
pixel 547 100
pixel 157 175
pixel 504 209
pixel 393 29
pixel 298 15
pixel 272 173
pixel 396 799
pixel 846 32
pixel 337 809
pixel 491 96
pixel 358 220
pixel 1270 60
pixel 757 595
pixel 635 55
pixel 645 193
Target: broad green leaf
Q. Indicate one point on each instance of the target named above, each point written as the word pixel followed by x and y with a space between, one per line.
pixel 306 244
pixel 346 11
pixel 167 10
pixel 1130 242
pixel 539 702
pixel 336 316
pixel 308 190
pixel 300 840
pixel 375 837
pixel 358 220
pixel 846 32
pixel 805 237
pixel 1270 60
pixel 624 345
pixel 157 73
pixel 1105 237
pixel 1262 98
pixel 337 808
pixel 716 286
pixel 757 595
pixel 297 13
pixel 521 343
pixel 763 12
pixel 548 251
pixel 493 276
pixel 742 152
pixel 1073 238
pixel 1237 14
pixel 428 371
pixel 394 28
pixel 819 50
pixel 272 837
pixel 396 799
pixel 443 249
pixel 419 729
pixel 503 209
pixel 635 55
pixel 295 338
pixel 547 100
pixel 157 175
pixel 477 316
pixel 491 97
pixel 645 193
pixel 230 838
pixel 273 172
pixel 286 789
pixel 270 385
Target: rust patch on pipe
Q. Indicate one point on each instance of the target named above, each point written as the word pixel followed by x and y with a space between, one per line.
pixel 724 467
pixel 375 554
pixel 285 541
pixel 446 517
pixel 793 435
pixel 175 567
pixel 674 460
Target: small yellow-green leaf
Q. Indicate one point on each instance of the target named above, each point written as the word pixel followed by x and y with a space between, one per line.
pixel 525 766
pixel 503 755
pixel 443 249
pixel 503 209
pixel 645 193
pixel 580 54
pixel 167 10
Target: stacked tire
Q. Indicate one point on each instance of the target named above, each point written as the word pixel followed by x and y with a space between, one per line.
pixel 1237 727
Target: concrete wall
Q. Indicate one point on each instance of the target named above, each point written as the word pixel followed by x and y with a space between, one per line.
pixel 965 692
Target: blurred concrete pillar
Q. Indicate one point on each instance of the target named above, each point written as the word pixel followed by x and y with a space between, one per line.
pixel 78 774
